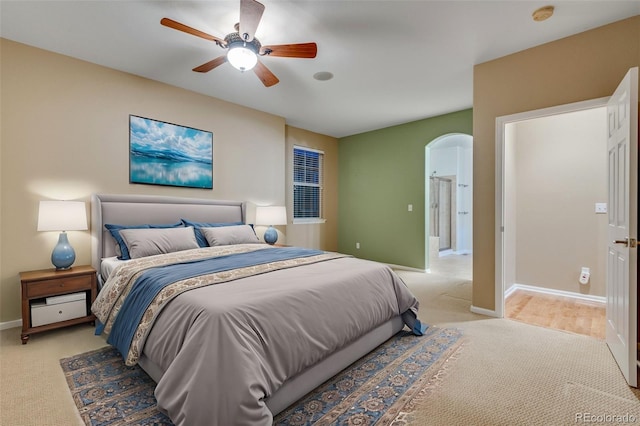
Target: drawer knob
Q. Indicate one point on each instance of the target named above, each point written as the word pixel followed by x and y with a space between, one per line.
pixel 60 312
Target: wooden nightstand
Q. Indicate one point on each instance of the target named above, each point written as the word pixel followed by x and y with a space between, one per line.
pixel 37 286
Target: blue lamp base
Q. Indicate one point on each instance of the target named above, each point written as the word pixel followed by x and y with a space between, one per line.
pixel 63 254
pixel 270 235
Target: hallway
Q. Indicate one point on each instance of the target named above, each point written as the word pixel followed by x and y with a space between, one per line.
pixel 557 312
pixel 545 310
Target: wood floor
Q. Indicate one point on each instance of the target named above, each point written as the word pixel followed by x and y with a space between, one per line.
pixel 557 312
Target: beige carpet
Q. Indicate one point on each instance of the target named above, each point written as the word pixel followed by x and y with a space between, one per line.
pixel 507 373
pixel 511 373
pixel 33 390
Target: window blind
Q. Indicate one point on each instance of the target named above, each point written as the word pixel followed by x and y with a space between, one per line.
pixel 307 183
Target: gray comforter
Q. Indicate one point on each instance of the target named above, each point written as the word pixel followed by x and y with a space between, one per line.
pixel 225 347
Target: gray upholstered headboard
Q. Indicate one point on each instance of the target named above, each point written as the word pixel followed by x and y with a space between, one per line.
pixel 125 209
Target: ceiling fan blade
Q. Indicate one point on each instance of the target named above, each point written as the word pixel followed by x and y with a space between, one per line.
pixel 250 14
pixel 300 50
pixel 266 77
pixel 211 64
pixel 187 29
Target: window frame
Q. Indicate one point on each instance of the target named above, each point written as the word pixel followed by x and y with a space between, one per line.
pixel 320 185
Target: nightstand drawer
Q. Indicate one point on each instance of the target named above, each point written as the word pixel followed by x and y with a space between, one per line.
pixel 48 314
pixel 58 286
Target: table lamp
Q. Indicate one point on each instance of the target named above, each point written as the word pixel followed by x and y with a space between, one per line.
pixel 269 216
pixel 62 216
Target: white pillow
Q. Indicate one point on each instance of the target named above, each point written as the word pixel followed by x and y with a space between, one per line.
pixel 225 235
pixel 142 242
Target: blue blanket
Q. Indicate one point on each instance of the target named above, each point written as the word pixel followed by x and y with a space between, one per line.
pixel 152 281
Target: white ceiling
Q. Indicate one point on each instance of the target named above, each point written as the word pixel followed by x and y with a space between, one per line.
pixel 394 61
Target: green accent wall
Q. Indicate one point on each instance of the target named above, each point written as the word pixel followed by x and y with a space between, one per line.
pixel 380 173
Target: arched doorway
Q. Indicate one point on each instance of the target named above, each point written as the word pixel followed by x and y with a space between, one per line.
pixel 448 197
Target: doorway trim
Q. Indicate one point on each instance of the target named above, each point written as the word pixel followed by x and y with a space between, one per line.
pixel 501 123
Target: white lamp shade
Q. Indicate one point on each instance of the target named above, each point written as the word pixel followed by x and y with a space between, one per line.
pixel 271 215
pixel 62 216
pixel 242 58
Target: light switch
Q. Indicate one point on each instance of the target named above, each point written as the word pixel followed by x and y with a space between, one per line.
pixel 410 207
pixel 601 208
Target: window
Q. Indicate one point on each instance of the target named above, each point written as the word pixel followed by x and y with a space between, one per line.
pixel 307 184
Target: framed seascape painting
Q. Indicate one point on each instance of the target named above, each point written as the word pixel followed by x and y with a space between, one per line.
pixel 162 153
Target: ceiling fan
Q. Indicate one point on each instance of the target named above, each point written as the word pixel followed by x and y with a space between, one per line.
pixel 243 47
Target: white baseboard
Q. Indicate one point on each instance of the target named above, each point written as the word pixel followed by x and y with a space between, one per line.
pixel 450 252
pixel 404 268
pixel 10 324
pixel 510 290
pixel 553 292
pixel 483 311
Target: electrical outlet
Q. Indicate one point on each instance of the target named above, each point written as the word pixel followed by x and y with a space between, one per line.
pixel 358 246
pixel 601 208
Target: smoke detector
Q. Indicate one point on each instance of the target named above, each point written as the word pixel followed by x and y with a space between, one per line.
pixel 543 13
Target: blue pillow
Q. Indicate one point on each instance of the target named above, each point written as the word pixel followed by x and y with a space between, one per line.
pixel 115 232
pixel 200 238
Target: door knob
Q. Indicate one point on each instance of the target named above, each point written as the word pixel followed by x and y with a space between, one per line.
pixel 627 242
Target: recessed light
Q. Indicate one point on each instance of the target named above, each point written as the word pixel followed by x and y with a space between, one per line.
pixel 323 76
pixel 543 13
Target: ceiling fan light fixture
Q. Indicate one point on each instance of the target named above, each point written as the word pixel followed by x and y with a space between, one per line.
pixel 242 57
pixel 243 47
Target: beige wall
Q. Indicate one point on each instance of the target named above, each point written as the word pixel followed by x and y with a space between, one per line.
pixel 321 235
pixel 584 66
pixel 560 173
pixel 65 135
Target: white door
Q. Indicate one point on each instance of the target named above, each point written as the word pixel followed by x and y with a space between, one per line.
pixel 622 259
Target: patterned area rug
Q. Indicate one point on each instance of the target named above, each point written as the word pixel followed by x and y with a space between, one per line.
pixel 379 389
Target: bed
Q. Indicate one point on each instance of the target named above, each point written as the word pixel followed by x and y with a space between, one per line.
pixel 236 346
